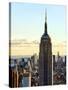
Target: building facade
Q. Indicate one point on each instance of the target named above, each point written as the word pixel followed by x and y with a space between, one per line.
pixel 45 58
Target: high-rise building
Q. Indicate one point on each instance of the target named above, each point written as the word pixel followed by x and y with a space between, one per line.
pixel 34 61
pixel 54 62
pixel 45 58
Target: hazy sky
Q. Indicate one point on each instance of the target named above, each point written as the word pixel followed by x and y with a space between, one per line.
pixel 27 22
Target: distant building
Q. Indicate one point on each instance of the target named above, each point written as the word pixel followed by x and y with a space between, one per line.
pixel 34 61
pixel 59 70
pixel 45 59
pixel 20 72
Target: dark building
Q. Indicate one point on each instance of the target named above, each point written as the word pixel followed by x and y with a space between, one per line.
pixel 45 58
pixel 13 78
pixel 20 73
pixel 54 62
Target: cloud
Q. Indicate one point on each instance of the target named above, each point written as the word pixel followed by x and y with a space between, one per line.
pixel 25 47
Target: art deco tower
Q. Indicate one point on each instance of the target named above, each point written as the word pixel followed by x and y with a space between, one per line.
pixel 45 58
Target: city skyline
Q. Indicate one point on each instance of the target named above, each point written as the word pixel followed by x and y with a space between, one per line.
pixel 37 60
pixel 33 15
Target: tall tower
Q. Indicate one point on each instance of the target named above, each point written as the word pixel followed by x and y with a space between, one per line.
pixel 45 58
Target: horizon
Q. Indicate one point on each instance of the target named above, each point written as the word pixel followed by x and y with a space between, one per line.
pixel 32 47
pixel 28 19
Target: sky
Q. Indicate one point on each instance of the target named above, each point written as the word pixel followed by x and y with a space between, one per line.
pixel 27 22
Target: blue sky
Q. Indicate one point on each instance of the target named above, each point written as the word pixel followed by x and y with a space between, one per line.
pixel 27 21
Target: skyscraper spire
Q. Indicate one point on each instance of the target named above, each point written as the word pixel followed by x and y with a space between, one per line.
pixel 45 15
pixel 45 58
pixel 45 22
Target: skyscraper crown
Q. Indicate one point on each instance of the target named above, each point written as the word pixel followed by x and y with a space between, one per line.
pixel 45 35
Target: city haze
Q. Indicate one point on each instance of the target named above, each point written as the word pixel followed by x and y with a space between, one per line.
pixel 27 22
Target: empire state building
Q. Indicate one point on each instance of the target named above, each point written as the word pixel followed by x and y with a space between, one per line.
pixel 45 58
